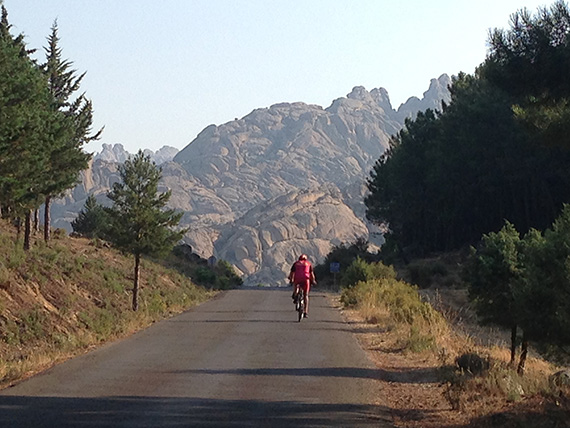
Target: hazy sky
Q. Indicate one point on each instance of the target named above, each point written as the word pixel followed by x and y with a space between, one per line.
pixel 158 72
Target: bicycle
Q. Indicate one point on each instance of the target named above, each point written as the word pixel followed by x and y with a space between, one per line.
pixel 300 304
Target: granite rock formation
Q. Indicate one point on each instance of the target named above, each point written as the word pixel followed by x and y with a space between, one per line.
pixel 282 180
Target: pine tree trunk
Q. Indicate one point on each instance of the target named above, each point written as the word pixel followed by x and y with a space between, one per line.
pixel 47 219
pixel 524 352
pixel 18 224
pixel 513 344
pixel 36 220
pixel 136 283
pixel 27 230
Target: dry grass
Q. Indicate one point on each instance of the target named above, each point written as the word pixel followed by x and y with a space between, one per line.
pixel 497 396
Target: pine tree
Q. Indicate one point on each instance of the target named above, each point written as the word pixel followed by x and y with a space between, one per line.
pixel 139 224
pixel 92 220
pixel 494 276
pixel 67 158
pixel 26 118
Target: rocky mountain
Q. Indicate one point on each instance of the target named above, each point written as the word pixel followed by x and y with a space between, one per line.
pixel 285 179
pixel 116 153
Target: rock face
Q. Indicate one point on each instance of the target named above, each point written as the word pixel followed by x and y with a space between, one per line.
pixel 282 180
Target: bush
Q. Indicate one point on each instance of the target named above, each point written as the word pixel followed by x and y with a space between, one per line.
pixel 226 276
pixel 204 276
pixel 472 363
pixel 361 271
pixel 401 299
pixel 345 255
pixel 396 302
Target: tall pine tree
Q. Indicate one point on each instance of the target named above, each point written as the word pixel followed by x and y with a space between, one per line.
pixel 67 158
pixel 26 118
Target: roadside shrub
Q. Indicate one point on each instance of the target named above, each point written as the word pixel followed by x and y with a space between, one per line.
pixel 59 233
pixel 472 363
pixel 344 254
pixel 361 271
pixel 204 276
pixel 386 299
pixel 226 276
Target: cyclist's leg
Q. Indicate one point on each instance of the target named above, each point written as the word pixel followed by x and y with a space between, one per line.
pixel 306 289
pixel 295 290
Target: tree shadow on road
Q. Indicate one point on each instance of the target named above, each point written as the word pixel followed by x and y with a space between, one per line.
pixel 16 412
pixel 419 375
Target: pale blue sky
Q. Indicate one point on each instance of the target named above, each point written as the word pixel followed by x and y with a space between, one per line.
pixel 158 72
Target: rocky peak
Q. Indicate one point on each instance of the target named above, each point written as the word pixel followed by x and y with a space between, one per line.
pixel 116 153
pixel 112 153
pixel 361 94
pixel 437 92
pixel 381 97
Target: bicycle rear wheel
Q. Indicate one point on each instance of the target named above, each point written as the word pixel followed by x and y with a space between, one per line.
pixel 301 307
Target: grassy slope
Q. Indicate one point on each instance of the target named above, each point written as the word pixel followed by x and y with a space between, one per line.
pixel 61 299
pixel 496 397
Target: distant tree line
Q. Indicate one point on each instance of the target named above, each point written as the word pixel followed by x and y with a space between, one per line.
pixel 43 127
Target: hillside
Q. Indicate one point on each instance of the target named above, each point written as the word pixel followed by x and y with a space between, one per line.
pixel 62 299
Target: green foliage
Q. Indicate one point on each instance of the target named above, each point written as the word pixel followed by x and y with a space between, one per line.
pixel 422 274
pixel 450 177
pixel 545 298
pixel 16 257
pixel 92 221
pixel 401 299
pixel 32 322
pixel 43 128
pixel 344 254
pixel 361 271
pixel 526 282
pixel 25 109
pixel 204 276
pixel 531 61
pixel 226 276
pixel 67 158
pixel 139 224
pixel 418 341
pixel 494 276
pixel 403 305
pixel 222 276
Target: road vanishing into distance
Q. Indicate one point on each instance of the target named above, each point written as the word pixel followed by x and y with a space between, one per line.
pixel 241 359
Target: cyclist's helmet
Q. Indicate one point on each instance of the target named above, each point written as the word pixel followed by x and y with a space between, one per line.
pixel 303 257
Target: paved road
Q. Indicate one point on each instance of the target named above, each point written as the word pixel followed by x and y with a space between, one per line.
pixel 239 360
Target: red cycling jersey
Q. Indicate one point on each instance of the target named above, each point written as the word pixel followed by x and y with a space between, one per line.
pixel 302 271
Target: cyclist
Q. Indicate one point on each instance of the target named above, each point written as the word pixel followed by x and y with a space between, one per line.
pixel 302 276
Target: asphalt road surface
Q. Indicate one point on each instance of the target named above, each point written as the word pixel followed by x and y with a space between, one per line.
pixel 239 360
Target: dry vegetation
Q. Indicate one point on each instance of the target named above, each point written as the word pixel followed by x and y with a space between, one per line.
pixel 62 299
pixel 440 369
